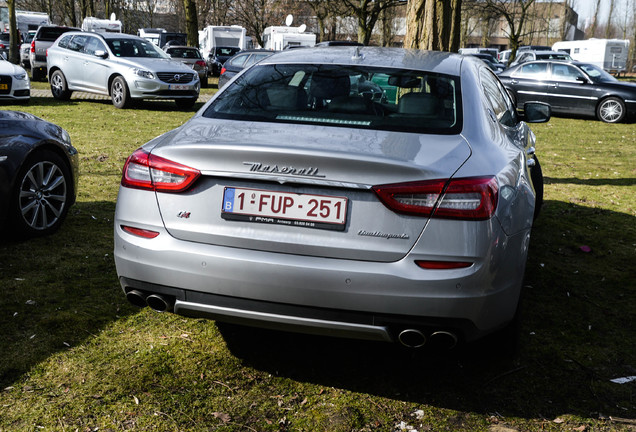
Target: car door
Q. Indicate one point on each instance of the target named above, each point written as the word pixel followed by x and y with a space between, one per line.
pixel 530 83
pixel 571 91
pixel 71 62
pixel 96 68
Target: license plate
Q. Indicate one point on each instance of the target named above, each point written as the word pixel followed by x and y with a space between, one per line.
pixel 4 86
pixel 284 208
pixel 178 87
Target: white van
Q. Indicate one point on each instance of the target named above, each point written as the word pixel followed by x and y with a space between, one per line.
pixel 609 54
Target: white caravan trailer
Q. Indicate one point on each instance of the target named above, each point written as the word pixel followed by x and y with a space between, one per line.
pixel 101 25
pixel 283 37
pixel 221 36
pixel 609 54
pixel 31 20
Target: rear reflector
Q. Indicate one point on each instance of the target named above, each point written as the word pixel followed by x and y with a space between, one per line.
pixel 442 265
pixel 473 198
pixel 140 232
pixel 146 171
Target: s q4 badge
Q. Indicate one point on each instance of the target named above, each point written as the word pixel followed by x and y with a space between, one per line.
pixel 183 215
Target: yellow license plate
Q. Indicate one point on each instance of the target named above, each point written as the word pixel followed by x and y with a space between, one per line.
pixel 4 86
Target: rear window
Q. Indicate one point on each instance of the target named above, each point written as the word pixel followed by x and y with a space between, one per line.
pixel 344 96
pixel 51 34
pixel 186 53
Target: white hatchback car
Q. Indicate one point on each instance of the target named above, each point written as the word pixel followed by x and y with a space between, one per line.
pixel 14 82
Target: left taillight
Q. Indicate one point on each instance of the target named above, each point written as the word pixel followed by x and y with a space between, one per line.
pixel 146 171
pixel 473 198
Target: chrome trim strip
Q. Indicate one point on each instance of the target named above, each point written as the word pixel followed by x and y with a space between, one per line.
pixel 558 95
pixel 285 322
pixel 287 179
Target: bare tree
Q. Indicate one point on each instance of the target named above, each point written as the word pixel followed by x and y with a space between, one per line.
pixel 192 24
pixel 610 15
pixel 592 32
pixel 367 13
pixel 433 24
pixel 14 54
pixel 515 13
pixel 256 15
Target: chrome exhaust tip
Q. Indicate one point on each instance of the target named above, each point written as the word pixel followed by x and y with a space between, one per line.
pixel 412 338
pixel 159 303
pixel 443 340
pixel 138 298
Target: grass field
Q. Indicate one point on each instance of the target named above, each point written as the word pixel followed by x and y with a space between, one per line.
pixel 74 355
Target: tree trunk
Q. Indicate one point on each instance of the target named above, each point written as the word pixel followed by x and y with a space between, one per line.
pixel 192 25
pixel 433 25
pixel 14 52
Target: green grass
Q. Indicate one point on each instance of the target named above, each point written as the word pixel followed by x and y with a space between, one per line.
pixel 74 355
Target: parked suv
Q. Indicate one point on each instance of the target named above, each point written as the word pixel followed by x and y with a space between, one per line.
pixel 189 56
pixel 122 66
pixel 43 39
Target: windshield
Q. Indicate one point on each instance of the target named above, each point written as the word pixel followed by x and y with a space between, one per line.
pixel 135 48
pixel 226 51
pixel 343 96
pixel 597 74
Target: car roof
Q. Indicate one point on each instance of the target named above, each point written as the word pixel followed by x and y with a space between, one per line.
pixel 181 47
pixel 441 62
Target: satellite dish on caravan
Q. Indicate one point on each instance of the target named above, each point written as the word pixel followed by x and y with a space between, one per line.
pixel 302 28
pixel 113 17
pixel 289 20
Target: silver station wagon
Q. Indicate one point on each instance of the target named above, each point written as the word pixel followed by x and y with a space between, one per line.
pixel 124 67
pixel 297 199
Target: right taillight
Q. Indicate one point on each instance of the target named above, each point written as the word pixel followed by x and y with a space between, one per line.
pixel 473 198
pixel 146 171
pixel 33 46
pixel 222 71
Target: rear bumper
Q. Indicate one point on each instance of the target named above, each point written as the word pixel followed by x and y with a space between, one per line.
pixel 346 298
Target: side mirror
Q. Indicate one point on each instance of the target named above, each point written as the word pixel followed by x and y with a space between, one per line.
pixel 101 53
pixel 536 112
pixel 581 79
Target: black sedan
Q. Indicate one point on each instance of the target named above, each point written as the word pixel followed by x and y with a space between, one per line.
pixel 218 56
pixel 38 175
pixel 571 88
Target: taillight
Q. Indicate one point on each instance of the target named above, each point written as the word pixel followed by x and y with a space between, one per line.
pixel 32 46
pixel 2 46
pixel 146 171
pixel 139 232
pixel 472 198
pixel 222 71
pixel 442 265
pixel 200 63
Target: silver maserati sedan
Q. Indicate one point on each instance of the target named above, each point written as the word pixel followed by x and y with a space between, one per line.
pixel 297 200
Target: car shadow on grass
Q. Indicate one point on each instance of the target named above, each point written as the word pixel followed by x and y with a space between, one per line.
pixel 57 290
pixel 153 105
pixel 576 332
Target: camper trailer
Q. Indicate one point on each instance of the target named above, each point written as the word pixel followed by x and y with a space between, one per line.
pixel 161 37
pixel 27 21
pixel 285 37
pixel 609 54
pixel 221 36
pixel 101 25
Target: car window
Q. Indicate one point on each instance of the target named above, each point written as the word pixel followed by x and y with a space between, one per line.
pixel 498 98
pixel 64 41
pixel 226 51
pixel 187 53
pixel 239 60
pixel 77 43
pixel 135 48
pixel 563 72
pixel 345 96
pixel 93 44
pixel 50 34
pixel 597 74
pixel 532 71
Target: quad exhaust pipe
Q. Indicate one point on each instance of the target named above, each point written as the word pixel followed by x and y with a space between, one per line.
pixel 156 302
pixel 413 338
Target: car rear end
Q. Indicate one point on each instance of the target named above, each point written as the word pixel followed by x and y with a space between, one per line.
pixel 41 42
pixel 345 220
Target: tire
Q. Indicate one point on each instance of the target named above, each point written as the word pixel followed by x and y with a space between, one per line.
pixel 536 175
pixel 59 87
pixel 185 103
pixel 611 110
pixel 42 196
pixel 119 93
